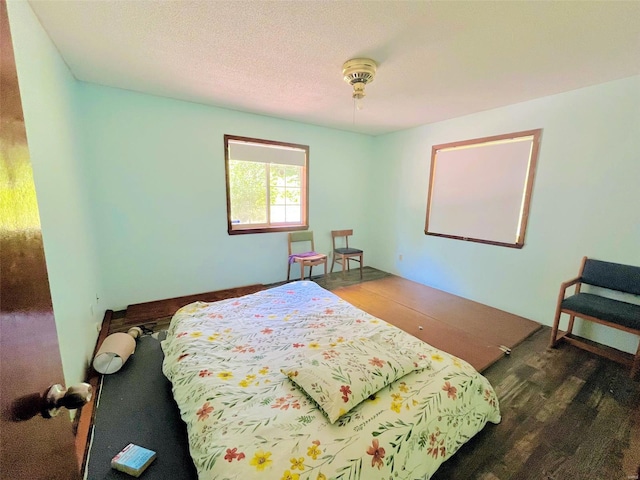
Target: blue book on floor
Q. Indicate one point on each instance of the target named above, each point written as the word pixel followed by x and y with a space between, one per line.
pixel 133 459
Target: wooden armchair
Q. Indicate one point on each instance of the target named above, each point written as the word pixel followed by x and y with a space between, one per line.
pixel 600 309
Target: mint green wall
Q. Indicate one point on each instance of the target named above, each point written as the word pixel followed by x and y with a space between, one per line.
pixel 586 201
pixel 156 171
pixel 132 196
pixel 48 92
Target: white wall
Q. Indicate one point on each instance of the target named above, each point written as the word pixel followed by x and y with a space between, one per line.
pixel 156 171
pixel 48 92
pixel 586 201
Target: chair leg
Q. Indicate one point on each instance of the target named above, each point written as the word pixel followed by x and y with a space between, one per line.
pixel 333 262
pixel 288 271
pixel 344 260
pixel 361 266
pixel 310 271
pixel 301 270
pixel 636 363
pixel 325 268
pixel 570 326
pixel 554 329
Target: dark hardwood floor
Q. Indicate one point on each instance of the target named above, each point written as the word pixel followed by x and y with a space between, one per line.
pixel 566 414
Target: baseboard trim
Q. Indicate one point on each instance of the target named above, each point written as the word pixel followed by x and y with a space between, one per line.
pixel 83 421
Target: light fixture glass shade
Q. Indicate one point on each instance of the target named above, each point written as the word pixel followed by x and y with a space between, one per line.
pixel 358 91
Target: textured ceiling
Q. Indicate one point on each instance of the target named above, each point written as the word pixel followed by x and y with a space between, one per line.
pixel 437 60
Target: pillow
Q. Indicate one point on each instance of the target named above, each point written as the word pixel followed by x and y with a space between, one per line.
pixel 339 378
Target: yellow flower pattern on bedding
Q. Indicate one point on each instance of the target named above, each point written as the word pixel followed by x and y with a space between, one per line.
pixel 246 420
pixel 261 460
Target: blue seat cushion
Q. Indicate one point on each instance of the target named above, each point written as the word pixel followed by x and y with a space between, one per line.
pixel 615 311
pixel 347 251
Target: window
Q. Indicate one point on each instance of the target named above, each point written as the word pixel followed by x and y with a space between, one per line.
pixel 266 185
pixel 480 189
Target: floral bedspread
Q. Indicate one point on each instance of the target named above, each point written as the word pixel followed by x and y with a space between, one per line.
pixel 247 420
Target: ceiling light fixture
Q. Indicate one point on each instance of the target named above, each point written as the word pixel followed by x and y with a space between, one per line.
pixel 358 72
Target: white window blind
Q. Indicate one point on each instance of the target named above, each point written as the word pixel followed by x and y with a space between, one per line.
pixel 262 153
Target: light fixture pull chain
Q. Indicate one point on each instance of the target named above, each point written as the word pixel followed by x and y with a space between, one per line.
pixel 354 110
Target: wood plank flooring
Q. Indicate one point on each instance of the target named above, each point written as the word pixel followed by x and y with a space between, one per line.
pixel 489 324
pixel 472 331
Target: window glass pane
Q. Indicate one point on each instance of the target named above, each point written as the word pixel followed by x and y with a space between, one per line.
pixel 293 176
pixel 278 175
pixel 293 196
pixel 293 214
pixel 248 192
pixel 288 183
pixel 278 214
pixel 278 195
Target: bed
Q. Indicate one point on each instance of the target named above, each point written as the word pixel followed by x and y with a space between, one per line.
pixel 295 383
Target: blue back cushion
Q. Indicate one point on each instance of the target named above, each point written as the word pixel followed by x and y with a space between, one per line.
pixel 614 276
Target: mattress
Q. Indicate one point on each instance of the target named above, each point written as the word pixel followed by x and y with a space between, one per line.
pixel 234 367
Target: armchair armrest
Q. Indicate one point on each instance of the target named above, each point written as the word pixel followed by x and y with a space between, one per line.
pixel 561 295
pixel 568 283
pixel 564 286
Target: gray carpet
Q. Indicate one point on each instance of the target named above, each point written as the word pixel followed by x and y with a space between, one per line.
pixel 136 406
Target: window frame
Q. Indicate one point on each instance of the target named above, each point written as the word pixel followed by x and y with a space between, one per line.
pixel 304 194
pixel 524 189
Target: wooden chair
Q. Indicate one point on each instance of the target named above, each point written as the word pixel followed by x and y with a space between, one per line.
pixel 595 307
pixel 305 258
pixel 344 255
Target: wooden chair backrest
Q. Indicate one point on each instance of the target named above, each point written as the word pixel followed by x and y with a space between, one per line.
pixel 304 236
pixel 341 233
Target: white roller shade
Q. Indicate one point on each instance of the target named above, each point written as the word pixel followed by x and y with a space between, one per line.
pixel 251 152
